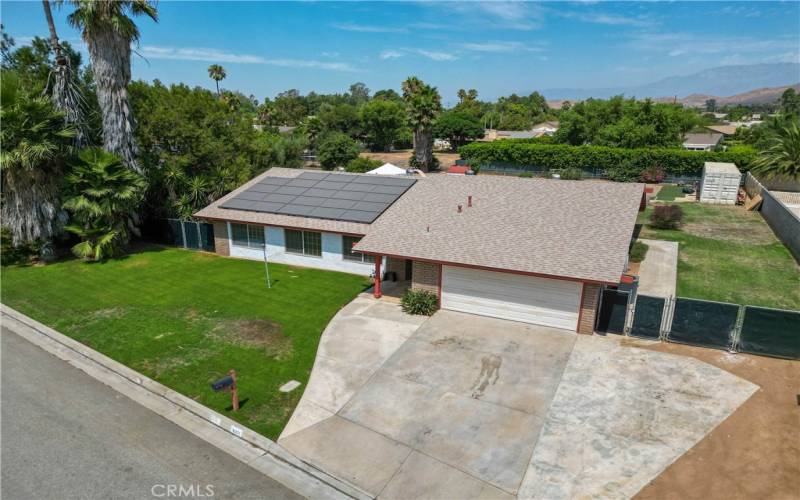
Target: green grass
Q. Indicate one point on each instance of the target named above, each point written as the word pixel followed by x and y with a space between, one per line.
pixel 728 254
pixel 669 193
pixel 186 318
pixel 638 252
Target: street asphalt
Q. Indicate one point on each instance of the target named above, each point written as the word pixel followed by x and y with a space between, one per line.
pixel 66 435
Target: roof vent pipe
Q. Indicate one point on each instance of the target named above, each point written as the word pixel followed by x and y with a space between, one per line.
pixel 469 200
pixel 459 208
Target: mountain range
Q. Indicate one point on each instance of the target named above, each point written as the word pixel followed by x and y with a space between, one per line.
pixel 718 81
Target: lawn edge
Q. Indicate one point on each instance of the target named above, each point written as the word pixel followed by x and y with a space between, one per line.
pixel 242 443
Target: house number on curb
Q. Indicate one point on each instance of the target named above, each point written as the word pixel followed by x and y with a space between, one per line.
pixel 236 431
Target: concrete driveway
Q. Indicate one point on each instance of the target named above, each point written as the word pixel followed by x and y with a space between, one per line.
pixel 462 406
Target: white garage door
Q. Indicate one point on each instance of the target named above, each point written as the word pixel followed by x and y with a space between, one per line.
pixel 528 299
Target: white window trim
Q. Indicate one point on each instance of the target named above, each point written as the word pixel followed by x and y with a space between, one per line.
pixel 345 256
pixel 233 243
pixel 303 241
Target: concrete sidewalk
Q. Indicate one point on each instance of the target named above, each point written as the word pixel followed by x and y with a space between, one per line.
pixel 658 272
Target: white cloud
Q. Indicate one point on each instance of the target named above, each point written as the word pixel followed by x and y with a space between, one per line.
pixel 218 56
pixel 499 47
pixel 681 44
pixel 330 54
pixel 367 28
pixel 512 15
pixel 390 54
pixel 436 56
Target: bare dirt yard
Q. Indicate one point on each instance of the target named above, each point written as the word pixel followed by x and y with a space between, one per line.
pixel 400 158
pixel 754 453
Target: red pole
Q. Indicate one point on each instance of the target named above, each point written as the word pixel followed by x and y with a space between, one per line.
pixel 378 276
pixel 234 392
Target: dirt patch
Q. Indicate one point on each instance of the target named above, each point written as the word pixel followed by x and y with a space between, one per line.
pixel 753 234
pixel 400 158
pixel 157 367
pixel 754 453
pixel 258 333
pixel 108 313
pixel 135 263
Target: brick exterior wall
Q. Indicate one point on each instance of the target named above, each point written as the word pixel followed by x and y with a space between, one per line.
pixel 397 266
pixel 425 276
pixel 591 297
pixel 221 238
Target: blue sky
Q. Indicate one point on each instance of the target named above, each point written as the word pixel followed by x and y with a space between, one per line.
pixel 495 47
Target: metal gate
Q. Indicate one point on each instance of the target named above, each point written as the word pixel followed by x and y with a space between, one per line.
pixel 192 235
pixel 648 317
pixel 613 311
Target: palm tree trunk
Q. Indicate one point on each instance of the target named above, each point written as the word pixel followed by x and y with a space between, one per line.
pixel 217 82
pixel 423 148
pixel 65 94
pixel 111 63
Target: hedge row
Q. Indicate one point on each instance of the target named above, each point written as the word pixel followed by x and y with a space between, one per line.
pixel 618 163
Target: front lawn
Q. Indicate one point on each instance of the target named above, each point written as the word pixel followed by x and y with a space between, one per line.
pixel 186 318
pixel 728 254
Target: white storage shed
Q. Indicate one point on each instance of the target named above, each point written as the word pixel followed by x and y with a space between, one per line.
pixel 720 183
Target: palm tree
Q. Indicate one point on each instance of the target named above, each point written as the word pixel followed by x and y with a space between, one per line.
pixel 103 196
pixel 782 158
pixel 66 93
pixel 108 31
pixel 35 142
pixel 217 73
pixel 423 104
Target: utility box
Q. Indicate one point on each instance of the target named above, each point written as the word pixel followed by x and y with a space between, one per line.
pixel 720 183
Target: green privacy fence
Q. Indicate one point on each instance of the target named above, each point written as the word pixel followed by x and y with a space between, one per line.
pixel 192 235
pixel 704 323
pixel 771 332
pixel 648 318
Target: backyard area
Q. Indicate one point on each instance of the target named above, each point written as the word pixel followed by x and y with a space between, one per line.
pixel 185 318
pixel 728 254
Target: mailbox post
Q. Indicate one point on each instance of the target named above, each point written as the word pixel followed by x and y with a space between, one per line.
pixel 228 384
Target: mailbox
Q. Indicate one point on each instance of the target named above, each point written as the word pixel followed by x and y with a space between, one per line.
pixel 222 384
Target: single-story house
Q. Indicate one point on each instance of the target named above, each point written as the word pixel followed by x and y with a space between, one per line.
pixel 701 142
pixel 537 251
pixel 729 129
pixel 494 135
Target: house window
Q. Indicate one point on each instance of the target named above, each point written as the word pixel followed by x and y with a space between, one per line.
pixel 246 235
pixel 303 242
pixel 347 249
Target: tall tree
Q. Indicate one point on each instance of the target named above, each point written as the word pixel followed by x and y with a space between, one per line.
pixel 782 158
pixel 109 31
pixel 217 73
pixel 423 105
pixel 35 142
pixel 65 92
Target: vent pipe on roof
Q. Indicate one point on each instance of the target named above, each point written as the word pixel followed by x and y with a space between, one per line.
pixel 469 200
pixel 459 208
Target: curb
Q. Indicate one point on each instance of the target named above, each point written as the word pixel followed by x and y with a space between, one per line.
pixel 242 443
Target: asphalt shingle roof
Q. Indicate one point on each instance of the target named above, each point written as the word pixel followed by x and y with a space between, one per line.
pixel 572 229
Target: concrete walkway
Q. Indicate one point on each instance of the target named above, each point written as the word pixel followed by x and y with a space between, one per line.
pixel 357 341
pixel 658 272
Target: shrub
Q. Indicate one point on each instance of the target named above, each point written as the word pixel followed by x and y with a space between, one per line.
pixel 420 302
pixel 526 175
pixel 571 174
pixel 619 164
pixel 362 164
pixel 652 174
pixel 666 216
pixel 638 251
pixel 336 150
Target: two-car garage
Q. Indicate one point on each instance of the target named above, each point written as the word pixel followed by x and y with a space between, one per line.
pixel 515 297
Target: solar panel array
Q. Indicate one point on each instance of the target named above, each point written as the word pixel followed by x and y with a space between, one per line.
pixel 345 197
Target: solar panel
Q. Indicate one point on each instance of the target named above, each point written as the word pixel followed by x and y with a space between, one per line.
pixel 346 197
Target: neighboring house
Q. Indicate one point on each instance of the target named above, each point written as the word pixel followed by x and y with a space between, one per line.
pixel 729 129
pixel 545 128
pixel 388 169
pixel 701 142
pixel 286 129
pixel 441 144
pixel 537 251
pixel 494 135
pixel 720 116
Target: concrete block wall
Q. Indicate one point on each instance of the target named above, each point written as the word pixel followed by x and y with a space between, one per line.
pixel 425 276
pixel 221 240
pixel 591 298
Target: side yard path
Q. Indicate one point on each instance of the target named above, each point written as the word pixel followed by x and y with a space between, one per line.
pixel 184 319
pixel 728 254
